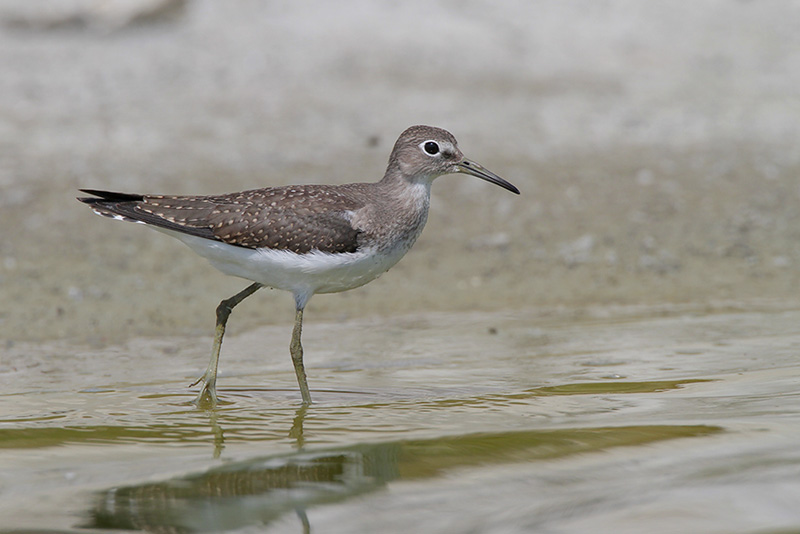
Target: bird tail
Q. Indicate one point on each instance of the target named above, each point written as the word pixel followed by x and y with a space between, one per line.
pixel 112 204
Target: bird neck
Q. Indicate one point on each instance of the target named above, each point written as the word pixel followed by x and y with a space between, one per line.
pixel 403 205
pixel 411 194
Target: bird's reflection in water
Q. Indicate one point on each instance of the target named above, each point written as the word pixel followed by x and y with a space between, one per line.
pixel 243 494
pixel 247 493
pixel 296 432
pixel 259 491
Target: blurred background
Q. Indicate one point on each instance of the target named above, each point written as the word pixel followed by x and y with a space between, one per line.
pixel 655 145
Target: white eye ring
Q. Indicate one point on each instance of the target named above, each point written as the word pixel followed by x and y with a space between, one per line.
pixel 431 148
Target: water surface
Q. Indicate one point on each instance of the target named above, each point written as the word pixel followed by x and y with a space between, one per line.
pixel 610 419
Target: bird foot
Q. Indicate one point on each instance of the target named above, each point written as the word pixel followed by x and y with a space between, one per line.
pixel 208 393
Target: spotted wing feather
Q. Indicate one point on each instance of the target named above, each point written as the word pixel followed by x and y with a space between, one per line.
pixel 299 218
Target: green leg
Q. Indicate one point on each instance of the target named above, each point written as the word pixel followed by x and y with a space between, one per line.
pixel 296 350
pixel 208 393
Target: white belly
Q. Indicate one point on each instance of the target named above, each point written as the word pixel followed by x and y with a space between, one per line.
pixel 302 274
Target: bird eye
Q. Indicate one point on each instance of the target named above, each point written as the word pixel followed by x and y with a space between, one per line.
pixel 431 148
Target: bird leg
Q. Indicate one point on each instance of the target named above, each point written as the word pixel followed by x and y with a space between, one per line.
pixel 208 393
pixel 296 350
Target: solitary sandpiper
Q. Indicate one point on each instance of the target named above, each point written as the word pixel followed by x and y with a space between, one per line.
pixel 305 239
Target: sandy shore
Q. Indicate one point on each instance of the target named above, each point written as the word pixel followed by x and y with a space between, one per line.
pixel 655 146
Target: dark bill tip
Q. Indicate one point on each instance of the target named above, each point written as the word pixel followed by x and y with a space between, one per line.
pixel 473 169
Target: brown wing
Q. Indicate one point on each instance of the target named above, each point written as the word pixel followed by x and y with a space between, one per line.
pixel 297 218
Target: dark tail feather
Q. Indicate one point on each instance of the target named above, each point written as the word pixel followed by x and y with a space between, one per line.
pixel 113 205
pixel 108 196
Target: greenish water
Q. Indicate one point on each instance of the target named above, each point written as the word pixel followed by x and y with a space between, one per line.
pixel 267 488
pixel 656 420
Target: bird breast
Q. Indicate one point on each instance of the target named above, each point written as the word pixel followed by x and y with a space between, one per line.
pixel 395 224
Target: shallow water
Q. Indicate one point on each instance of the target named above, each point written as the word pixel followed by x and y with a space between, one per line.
pixel 626 419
